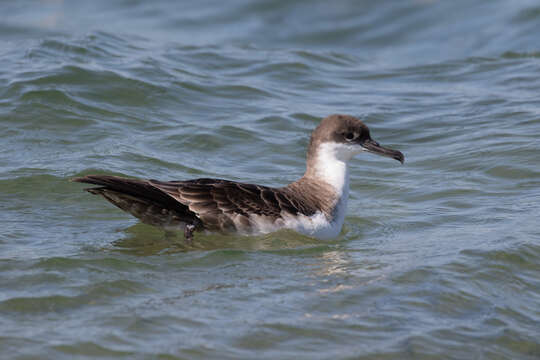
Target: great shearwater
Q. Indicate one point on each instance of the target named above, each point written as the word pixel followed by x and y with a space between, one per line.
pixel 314 205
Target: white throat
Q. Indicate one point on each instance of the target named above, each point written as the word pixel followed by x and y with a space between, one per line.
pixel 331 166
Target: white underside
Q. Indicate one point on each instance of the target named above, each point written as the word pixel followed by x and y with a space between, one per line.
pixel 317 225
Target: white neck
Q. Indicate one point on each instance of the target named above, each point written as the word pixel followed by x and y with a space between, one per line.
pixel 330 166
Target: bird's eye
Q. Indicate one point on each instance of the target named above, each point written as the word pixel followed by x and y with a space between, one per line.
pixel 349 136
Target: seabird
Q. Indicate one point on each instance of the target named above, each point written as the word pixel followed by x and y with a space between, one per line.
pixel 314 205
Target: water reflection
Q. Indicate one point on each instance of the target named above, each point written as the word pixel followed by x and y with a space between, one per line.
pixel 334 263
pixel 344 269
pixel 144 240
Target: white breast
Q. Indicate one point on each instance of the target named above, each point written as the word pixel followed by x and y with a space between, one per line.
pixel 330 167
pixel 317 225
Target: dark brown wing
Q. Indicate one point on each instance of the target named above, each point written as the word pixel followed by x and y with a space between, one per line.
pixel 227 205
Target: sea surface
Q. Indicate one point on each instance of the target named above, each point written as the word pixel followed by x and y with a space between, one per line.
pixel 439 258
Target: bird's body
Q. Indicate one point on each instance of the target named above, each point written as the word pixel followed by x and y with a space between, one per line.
pixel 315 205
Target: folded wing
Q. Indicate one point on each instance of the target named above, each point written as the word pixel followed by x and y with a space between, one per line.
pixel 227 205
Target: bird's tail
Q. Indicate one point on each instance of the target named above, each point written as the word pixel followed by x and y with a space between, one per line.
pixel 141 199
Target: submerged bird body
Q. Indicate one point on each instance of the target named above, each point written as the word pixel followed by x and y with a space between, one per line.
pixel 315 205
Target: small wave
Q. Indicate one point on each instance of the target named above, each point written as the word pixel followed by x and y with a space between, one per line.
pixel 520 55
pixel 91 349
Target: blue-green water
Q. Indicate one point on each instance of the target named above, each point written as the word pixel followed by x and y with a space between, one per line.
pixel 438 259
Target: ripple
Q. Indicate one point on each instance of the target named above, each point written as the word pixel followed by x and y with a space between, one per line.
pixel 49 48
pixel 512 172
pixel 90 295
pixel 528 14
pixel 279 70
pixel 517 55
pixel 34 305
pixel 92 349
pixel 525 256
pixel 69 264
pixel 227 91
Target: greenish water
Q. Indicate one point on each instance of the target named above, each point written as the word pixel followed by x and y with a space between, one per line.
pixel 438 259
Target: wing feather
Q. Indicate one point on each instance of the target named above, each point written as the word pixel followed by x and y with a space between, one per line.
pixel 227 205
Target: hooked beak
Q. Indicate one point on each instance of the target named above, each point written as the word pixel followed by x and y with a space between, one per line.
pixel 373 147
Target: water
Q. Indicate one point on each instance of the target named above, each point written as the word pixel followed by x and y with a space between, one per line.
pixel 438 258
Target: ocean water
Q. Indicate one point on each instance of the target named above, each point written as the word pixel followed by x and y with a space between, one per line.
pixel 439 258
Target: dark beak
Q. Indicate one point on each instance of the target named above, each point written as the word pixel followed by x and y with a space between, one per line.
pixel 373 147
